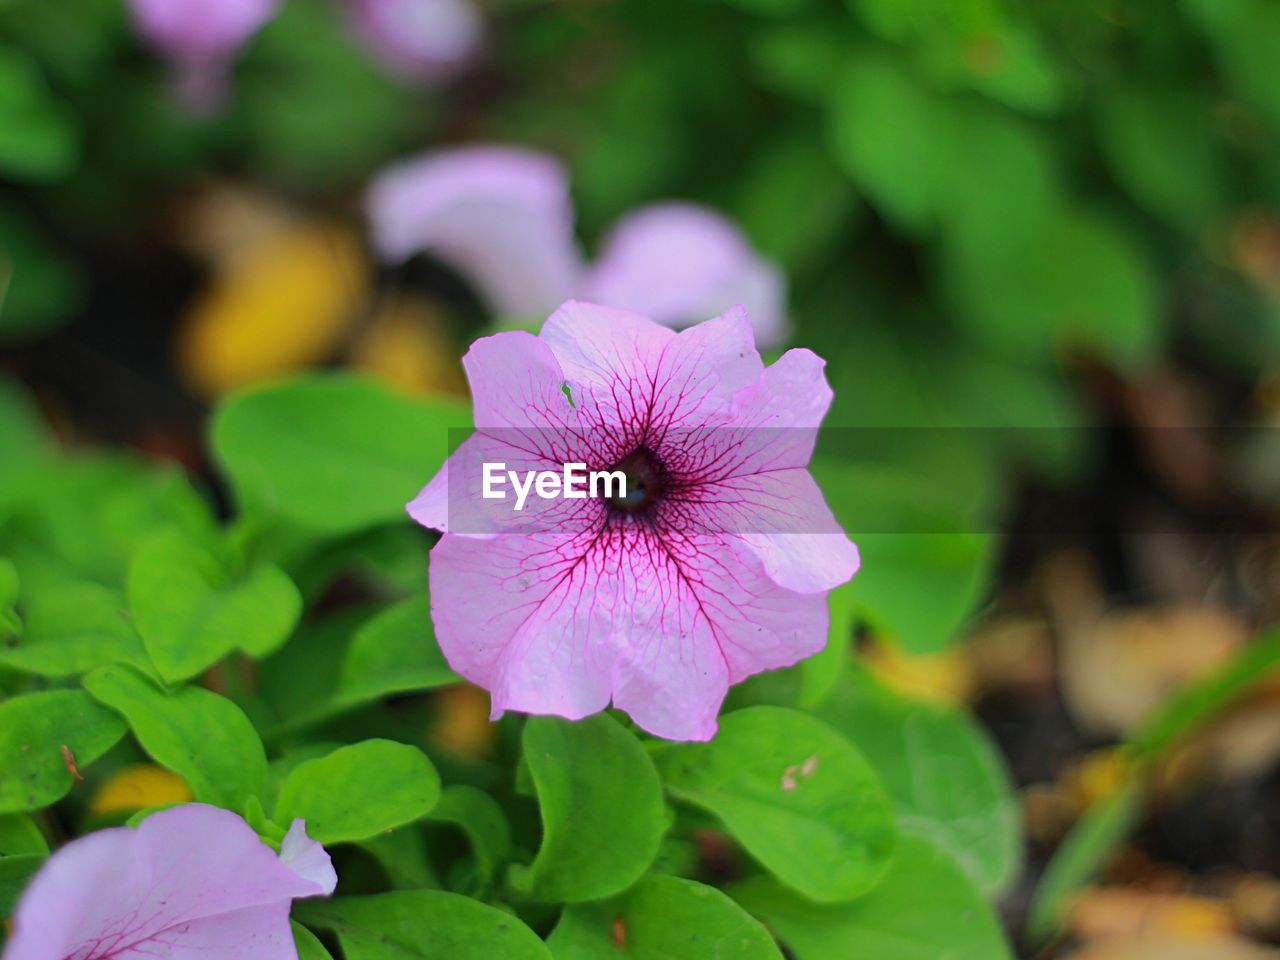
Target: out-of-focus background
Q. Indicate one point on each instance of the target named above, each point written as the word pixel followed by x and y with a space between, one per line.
pixel 1041 241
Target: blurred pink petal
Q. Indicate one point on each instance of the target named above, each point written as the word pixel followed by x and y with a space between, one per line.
pixel 421 40
pixel 677 263
pixel 192 881
pixel 715 569
pixel 500 216
pixel 200 38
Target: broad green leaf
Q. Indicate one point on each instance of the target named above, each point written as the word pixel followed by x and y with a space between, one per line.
pixel 73 628
pixel 1075 281
pixel 19 834
pixel 192 610
pixel 309 947
pixel 15 872
pixel 772 8
pixel 35 730
pixel 83 517
pixel 38 136
pixel 662 918
pixel 359 791
pixel 1159 144
pixel 1085 851
pixel 917 545
pixel 334 454
pixel 1244 35
pixel 22 852
pixel 799 797
pixel 395 652
pixel 38 287
pixel 26 439
pixel 795 201
pixel 602 810
pixel 422 925
pixel 945 778
pixel 204 738
pixel 925 909
pixel 402 854
pixel 480 817
pixel 893 137
pixel 1203 698
pixel 10 622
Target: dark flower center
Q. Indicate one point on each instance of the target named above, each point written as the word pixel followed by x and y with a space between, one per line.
pixel 645 483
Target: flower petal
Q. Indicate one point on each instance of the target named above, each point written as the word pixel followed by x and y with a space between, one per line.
pixel 307 858
pixel 678 263
pixel 500 216
pixel 200 30
pixel 125 888
pixel 539 640
pixel 421 40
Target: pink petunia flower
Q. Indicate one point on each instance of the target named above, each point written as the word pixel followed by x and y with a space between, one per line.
pixel 420 40
pixel 502 217
pixel 200 38
pixel 715 564
pixel 677 263
pixel 191 881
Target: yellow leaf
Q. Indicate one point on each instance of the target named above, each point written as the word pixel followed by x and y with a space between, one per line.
pixel 287 301
pixel 138 787
pixel 945 677
pixel 406 345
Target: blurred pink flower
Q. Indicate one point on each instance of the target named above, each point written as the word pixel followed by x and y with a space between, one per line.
pixel 676 263
pixel 714 567
pixel 200 38
pixel 503 218
pixel 421 40
pixel 500 216
pixel 190 881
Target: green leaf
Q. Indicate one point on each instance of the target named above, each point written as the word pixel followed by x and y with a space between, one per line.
pixel 1161 147
pixel 798 796
pixel 422 925
pixel 38 137
pixel 893 137
pixel 945 778
pixel 795 201
pixel 22 852
pixel 334 454
pixel 1203 698
pixel 359 791
pixel 923 910
pixel 309 947
pixel 38 287
pixel 1085 851
pixel 15 872
pixel 204 738
pixel 395 652
pixel 34 730
pixel 82 518
pixel 192 611
pixel 1074 281
pixel 10 622
pixel 933 555
pixel 662 918
pixel 73 628
pixel 481 818
pixel 603 814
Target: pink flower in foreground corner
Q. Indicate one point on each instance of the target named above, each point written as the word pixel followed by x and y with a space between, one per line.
pixel 200 38
pixel 191 881
pixel 713 567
